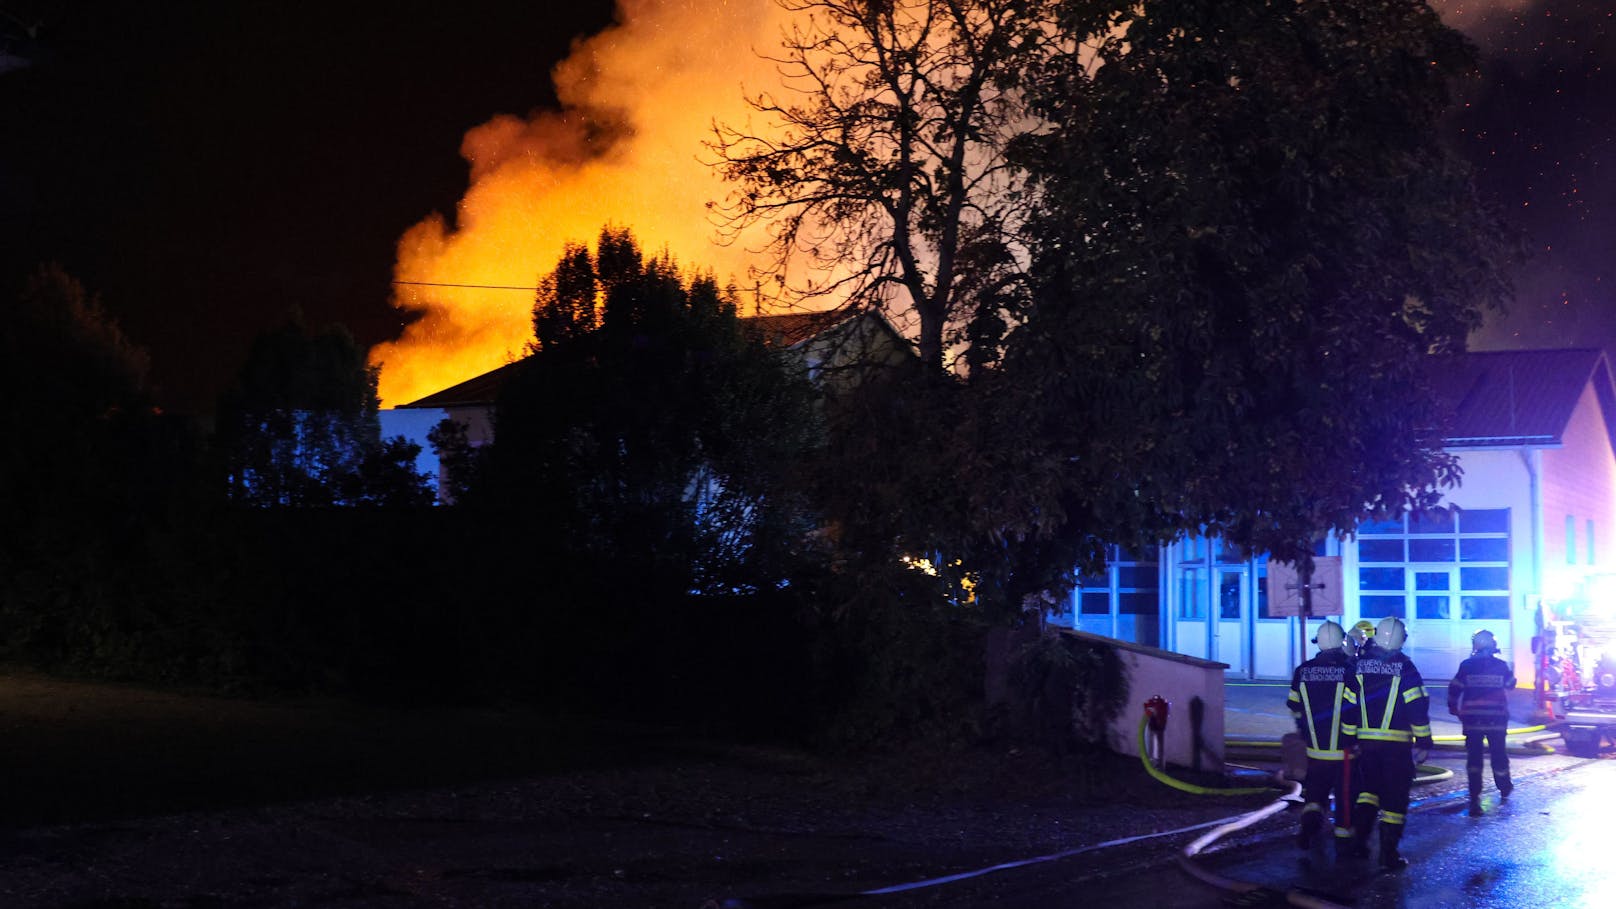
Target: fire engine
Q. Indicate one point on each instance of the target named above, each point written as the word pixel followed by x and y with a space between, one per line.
pixel 1576 654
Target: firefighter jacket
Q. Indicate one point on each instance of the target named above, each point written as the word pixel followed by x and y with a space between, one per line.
pixel 1479 692
pixel 1318 692
pixel 1386 699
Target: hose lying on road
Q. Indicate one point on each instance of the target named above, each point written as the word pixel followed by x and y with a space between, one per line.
pixel 1424 773
pixel 799 901
pixel 1186 859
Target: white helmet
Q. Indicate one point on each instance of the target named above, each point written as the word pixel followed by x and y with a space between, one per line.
pixel 1390 634
pixel 1483 642
pixel 1329 637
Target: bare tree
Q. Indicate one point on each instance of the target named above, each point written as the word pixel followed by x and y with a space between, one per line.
pixel 882 178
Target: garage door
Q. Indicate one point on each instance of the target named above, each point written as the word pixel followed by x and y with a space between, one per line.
pixel 1446 576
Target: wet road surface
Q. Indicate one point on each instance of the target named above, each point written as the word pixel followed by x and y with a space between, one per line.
pixel 1553 843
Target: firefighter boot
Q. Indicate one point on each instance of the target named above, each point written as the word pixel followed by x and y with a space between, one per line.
pixel 1312 821
pixel 1505 785
pixel 1358 846
pixel 1475 806
pixel 1390 858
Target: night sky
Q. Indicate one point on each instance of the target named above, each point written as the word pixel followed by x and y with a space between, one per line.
pixel 206 165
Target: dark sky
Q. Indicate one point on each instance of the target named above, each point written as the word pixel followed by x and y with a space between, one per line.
pixel 204 165
pixel 1541 131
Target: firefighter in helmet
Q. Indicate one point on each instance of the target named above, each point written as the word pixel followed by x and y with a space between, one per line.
pixel 1479 697
pixel 1358 637
pixel 1388 711
pixel 1315 701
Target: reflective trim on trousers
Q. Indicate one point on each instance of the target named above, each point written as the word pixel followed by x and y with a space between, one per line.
pixel 1385 735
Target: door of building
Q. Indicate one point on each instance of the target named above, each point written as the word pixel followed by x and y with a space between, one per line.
pixel 1233 619
pixel 1192 628
pixel 1273 637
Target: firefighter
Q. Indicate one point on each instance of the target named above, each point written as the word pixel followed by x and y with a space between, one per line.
pixel 1360 635
pixel 1315 701
pixel 1388 711
pixel 1479 697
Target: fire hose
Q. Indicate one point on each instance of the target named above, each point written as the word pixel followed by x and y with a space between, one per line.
pixel 1186 858
pixel 1424 773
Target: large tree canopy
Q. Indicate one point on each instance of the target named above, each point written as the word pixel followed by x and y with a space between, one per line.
pixel 1253 243
pixel 76 400
pixel 881 174
pixel 647 426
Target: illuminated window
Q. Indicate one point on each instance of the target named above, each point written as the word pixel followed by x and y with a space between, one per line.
pixel 1436 567
pixel 1192 594
pixel 1193 549
pixel 1129 586
pixel 1262 594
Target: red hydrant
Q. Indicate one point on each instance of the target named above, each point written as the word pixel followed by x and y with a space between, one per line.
pixel 1156 720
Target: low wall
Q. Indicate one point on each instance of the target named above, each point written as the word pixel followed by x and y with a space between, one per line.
pixel 1193 689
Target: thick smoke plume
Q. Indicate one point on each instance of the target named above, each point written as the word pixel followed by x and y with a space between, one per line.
pixel 638 100
pixel 626 148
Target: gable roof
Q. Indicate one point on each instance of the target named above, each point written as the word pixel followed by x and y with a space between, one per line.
pixel 793 328
pixel 785 330
pixel 480 390
pixel 1520 397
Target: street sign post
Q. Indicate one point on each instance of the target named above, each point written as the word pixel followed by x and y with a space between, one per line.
pixel 1317 594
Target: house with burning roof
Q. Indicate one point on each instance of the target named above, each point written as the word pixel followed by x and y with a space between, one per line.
pixel 835 349
pixel 1534 516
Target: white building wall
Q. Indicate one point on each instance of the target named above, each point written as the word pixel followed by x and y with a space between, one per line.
pixel 1579 483
pixel 1493 478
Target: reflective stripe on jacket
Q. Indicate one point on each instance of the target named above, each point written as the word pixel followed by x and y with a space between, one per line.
pixel 1318 692
pixel 1479 692
pixel 1386 699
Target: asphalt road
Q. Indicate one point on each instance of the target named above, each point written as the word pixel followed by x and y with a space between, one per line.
pixel 1552 844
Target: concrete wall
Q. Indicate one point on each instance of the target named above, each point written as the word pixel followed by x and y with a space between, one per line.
pixel 1179 680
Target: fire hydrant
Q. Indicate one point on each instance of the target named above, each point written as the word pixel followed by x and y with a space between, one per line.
pixel 1156 722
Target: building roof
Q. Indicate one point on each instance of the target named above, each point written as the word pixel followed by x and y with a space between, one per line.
pixel 1520 397
pixel 793 328
pixel 480 390
pixel 784 330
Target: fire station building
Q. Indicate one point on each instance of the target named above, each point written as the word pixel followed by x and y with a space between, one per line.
pixel 1534 518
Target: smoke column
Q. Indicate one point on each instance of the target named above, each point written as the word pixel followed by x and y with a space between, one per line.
pixel 637 101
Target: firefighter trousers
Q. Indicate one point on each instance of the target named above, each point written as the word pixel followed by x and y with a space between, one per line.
pixel 1487 743
pixel 1323 778
pixel 1388 775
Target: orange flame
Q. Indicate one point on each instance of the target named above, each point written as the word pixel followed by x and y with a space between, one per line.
pixel 638 99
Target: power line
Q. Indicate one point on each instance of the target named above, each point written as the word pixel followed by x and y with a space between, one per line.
pixel 478 286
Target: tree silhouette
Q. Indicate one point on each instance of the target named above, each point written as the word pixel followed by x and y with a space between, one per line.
pixel 882 177
pixel 299 428
pixel 1254 243
pixel 660 436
